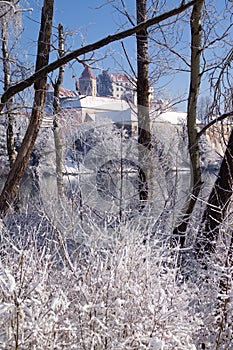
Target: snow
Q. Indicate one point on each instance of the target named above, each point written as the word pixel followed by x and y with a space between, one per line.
pixel 171 117
pixel 96 102
pixel 117 116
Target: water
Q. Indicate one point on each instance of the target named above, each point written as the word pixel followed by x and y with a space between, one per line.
pixel 112 192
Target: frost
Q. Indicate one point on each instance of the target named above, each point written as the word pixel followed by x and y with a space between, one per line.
pixel 157 344
pixel 113 293
pixel 7 281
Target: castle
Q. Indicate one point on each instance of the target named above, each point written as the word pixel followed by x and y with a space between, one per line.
pixel 116 85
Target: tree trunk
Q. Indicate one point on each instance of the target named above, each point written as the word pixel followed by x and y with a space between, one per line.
pixel 195 80
pixel 18 168
pixel 218 203
pixel 144 133
pixel 7 83
pixel 56 107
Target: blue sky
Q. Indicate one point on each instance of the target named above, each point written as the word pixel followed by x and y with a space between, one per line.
pixel 92 23
pixel 88 24
pixel 89 21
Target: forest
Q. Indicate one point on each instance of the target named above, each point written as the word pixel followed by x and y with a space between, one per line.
pixel 106 240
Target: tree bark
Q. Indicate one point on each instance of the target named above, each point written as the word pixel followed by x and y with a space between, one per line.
pixel 56 106
pixel 195 80
pixel 18 168
pixel 144 133
pixel 7 84
pixel 217 205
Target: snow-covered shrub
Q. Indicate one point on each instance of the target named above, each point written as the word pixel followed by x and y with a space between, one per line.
pixel 119 291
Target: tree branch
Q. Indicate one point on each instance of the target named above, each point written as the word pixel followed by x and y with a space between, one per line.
pixel 128 60
pixel 14 89
pixel 218 119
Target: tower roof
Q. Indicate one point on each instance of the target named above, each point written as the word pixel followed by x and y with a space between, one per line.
pixel 87 73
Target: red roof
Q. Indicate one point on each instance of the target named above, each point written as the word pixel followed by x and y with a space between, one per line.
pixel 87 73
pixel 116 77
pixel 67 93
pixel 62 92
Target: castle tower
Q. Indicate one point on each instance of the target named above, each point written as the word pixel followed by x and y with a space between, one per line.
pixel 87 82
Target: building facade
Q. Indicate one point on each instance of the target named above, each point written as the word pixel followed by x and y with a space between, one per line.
pixel 87 83
pixel 123 88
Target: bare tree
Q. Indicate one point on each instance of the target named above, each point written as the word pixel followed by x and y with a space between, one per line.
pixel 217 205
pixel 10 24
pixel 144 134
pixel 17 170
pixel 39 78
pixel 7 83
pixel 56 105
pixel 220 197
pixel 195 80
